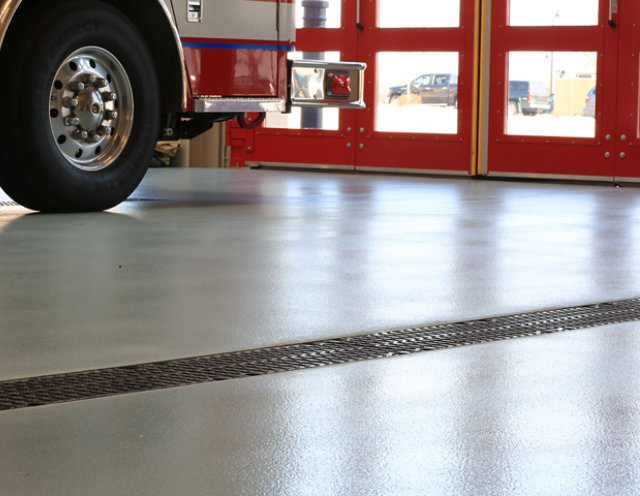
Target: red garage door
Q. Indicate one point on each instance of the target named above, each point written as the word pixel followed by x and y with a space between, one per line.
pixel 564 89
pixel 419 92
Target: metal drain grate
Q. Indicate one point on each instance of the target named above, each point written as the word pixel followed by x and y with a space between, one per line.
pixel 74 386
pixel 11 203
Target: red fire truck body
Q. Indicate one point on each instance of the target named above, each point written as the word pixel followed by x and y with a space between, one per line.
pixel 91 85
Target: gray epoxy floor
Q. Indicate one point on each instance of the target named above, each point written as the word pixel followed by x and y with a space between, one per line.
pixel 221 260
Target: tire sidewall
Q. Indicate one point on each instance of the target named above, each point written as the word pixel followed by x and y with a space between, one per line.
pixel 89 24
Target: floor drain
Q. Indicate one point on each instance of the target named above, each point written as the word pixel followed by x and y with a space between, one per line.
pixel 10 203
pixel 75 386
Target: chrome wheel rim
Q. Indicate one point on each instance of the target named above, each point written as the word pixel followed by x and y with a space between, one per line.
pixel 91 108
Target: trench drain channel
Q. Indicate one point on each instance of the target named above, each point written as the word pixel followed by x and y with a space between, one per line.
pixel 11 203
pixel 89 384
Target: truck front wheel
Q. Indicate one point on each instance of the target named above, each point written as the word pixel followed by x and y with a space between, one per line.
pixel 81 112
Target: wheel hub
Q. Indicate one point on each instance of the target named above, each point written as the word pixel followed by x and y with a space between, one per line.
pixel 91 108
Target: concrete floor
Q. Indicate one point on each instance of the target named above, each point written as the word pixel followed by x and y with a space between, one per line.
pixel 221 260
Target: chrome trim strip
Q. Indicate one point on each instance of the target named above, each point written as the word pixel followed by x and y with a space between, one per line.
pixel 7 10
pixel 256 164
pixel 212 104
pixel 178 43
pixel 399 170
pixel 404 170
pixel 627 179
pixel 330 66
pixel 562 177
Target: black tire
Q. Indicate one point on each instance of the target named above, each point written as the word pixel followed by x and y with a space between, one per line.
pixel 47 162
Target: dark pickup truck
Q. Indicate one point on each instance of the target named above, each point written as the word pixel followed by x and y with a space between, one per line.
pixel 439 88
pixel 528 98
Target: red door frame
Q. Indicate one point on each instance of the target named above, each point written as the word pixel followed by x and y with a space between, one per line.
pixel 438 153
pixel 613 153
pixel 355 144
pixel 627 141
pixel 597 157
pixel 312 147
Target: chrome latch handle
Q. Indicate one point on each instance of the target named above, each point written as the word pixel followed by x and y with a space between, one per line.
pixel 358 23
pixel 613 12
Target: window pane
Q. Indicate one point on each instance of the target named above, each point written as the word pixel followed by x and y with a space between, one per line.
pixel 551 94
pixel 331 15
pixel 326 118
pixel 553 12
pixel 417 92
pixel 418 13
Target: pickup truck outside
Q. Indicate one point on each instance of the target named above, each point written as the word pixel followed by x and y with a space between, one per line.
pixel 528 98
pixel 437 88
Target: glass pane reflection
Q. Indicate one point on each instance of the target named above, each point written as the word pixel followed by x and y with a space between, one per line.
pixel 418 13
pixel 553 12
pixel 551 94
pixel 417 92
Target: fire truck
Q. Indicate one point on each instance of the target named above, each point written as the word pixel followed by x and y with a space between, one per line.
pixel 90 86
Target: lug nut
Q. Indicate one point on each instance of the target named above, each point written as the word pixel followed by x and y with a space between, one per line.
pixel 109 96
pixel 71 120
pixel 76 86
pixel 110 114
pixel 89 78
pixel 100 82
pixel 80 134
pixel 70 102
pixel 104 130
pixel 94 138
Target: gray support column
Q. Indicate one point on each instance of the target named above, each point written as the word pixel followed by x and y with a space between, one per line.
pixel 314 15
